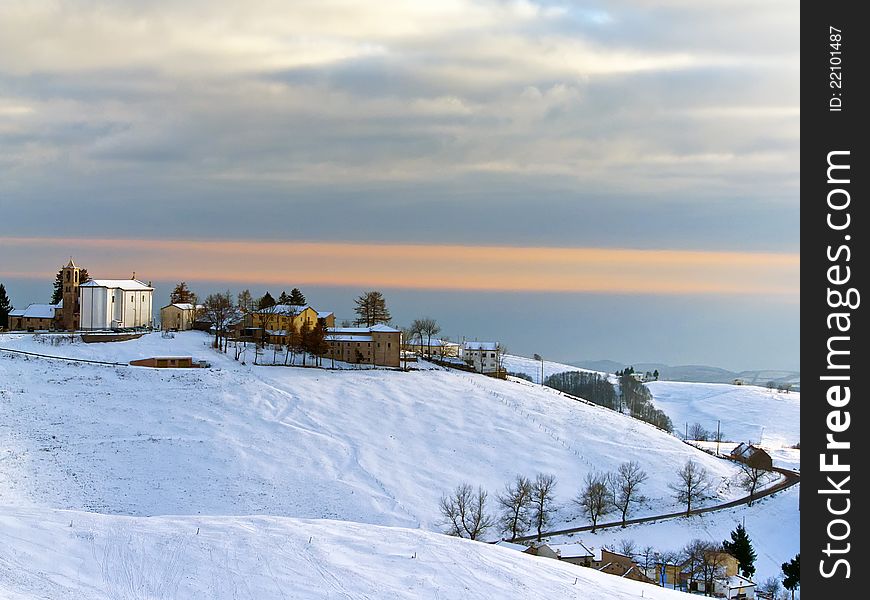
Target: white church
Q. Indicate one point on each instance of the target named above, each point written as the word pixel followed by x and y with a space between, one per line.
pixel 114 303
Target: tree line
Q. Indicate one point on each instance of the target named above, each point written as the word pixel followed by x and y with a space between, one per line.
pixel 633 396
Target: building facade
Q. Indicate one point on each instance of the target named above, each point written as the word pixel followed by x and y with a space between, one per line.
pixel 484 357
pixel 114 304
pixel 179 317
pixel 378 345
pixel 36 317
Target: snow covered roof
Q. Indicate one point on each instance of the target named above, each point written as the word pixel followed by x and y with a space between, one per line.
pixel 120 284
pixel 348 338
pixel 480 346
pixel 435 343
pixel 744 450
pixel 374 328
pixel 323 315
pixel 182 306
pixel 512 546
pixel 737 581
pixel 577 550
pixel 36 311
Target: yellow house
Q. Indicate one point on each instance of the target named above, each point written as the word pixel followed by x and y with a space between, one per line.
pixel 281 320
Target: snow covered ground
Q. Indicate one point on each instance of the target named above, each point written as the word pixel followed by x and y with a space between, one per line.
pixel 66 555
pixel 255 444
pixel 368 446
pixel 747 412
pixel 532 367
pixel 773 525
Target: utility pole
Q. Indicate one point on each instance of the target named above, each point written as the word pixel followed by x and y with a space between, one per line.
pixel 540 358
pixel 718 437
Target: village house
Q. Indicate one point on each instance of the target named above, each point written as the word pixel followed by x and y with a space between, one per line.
pixel 435 347
pixel 178 316
pixel 484 357
pixel 617 564
pixel 576 554
pixel 376 345
pixel 734 587
pixel 690 577
pixel 753 456
pixel 279 322
pixel 36 317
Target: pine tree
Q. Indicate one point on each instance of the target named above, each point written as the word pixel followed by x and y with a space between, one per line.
pixel 57 294
pixel 245 301
pixel 740 547
pixel 792 572
pixel 5 307
pixel 297 298
pixel 182 295
pixel 284 298
pixel 266 301
pixel 371 309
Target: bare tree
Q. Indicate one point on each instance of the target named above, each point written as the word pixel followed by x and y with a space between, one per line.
pixel 693 484
pixel 516 504
pixel 771 586
pixel 627 547
pixel 465 512
pixel 543 494
pixel 750 478
pixel 626 483
pixel 595 498
pixel 428 327
pixel 220 311
pixel 706 562
pixel 647 559
pixel 698 433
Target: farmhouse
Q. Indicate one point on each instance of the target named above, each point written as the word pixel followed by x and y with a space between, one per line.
pixel 483 356
pixel 753 456
pixel 434 347
pixel 281 321
pixel 35 317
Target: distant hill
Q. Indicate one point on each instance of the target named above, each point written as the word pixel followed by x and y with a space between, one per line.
pixel 697 373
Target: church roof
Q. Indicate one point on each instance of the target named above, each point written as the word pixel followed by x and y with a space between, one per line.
pixel 122 284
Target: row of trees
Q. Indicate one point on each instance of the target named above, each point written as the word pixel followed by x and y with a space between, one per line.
pixel 527 503
pixel 633 395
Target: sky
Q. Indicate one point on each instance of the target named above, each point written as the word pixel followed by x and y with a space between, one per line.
pixel 585 180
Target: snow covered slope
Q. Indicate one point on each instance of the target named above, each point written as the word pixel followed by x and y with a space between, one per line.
pixel 377 447
pixel 60 555
pixel 532 367
pixel 747 412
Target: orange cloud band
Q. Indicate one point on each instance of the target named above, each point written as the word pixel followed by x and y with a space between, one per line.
pixel 433 266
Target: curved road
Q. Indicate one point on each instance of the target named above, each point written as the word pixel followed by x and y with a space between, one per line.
pixel 791 478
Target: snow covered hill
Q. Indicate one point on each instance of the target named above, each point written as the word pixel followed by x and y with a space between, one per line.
pixel 367 446
pixel 66 555
pixel 747 412
pixel 364 447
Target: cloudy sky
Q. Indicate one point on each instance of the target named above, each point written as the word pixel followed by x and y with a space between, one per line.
pixel 584 179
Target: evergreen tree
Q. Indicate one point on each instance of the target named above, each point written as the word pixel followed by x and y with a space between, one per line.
pixel 266 301
pixel 182 295
pixel 740 547
pixel 371 309
pixel 792 572
pixel 57 294
pixel 284 298
pixel 5 307
pixel 297 297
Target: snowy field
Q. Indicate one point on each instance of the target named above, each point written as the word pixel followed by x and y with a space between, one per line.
pixel 747 413
pixel 367 446
pixel 61 555
pixel 254 444
pixel 773 525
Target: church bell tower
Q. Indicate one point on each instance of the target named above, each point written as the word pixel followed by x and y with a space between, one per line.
pixel 70 275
